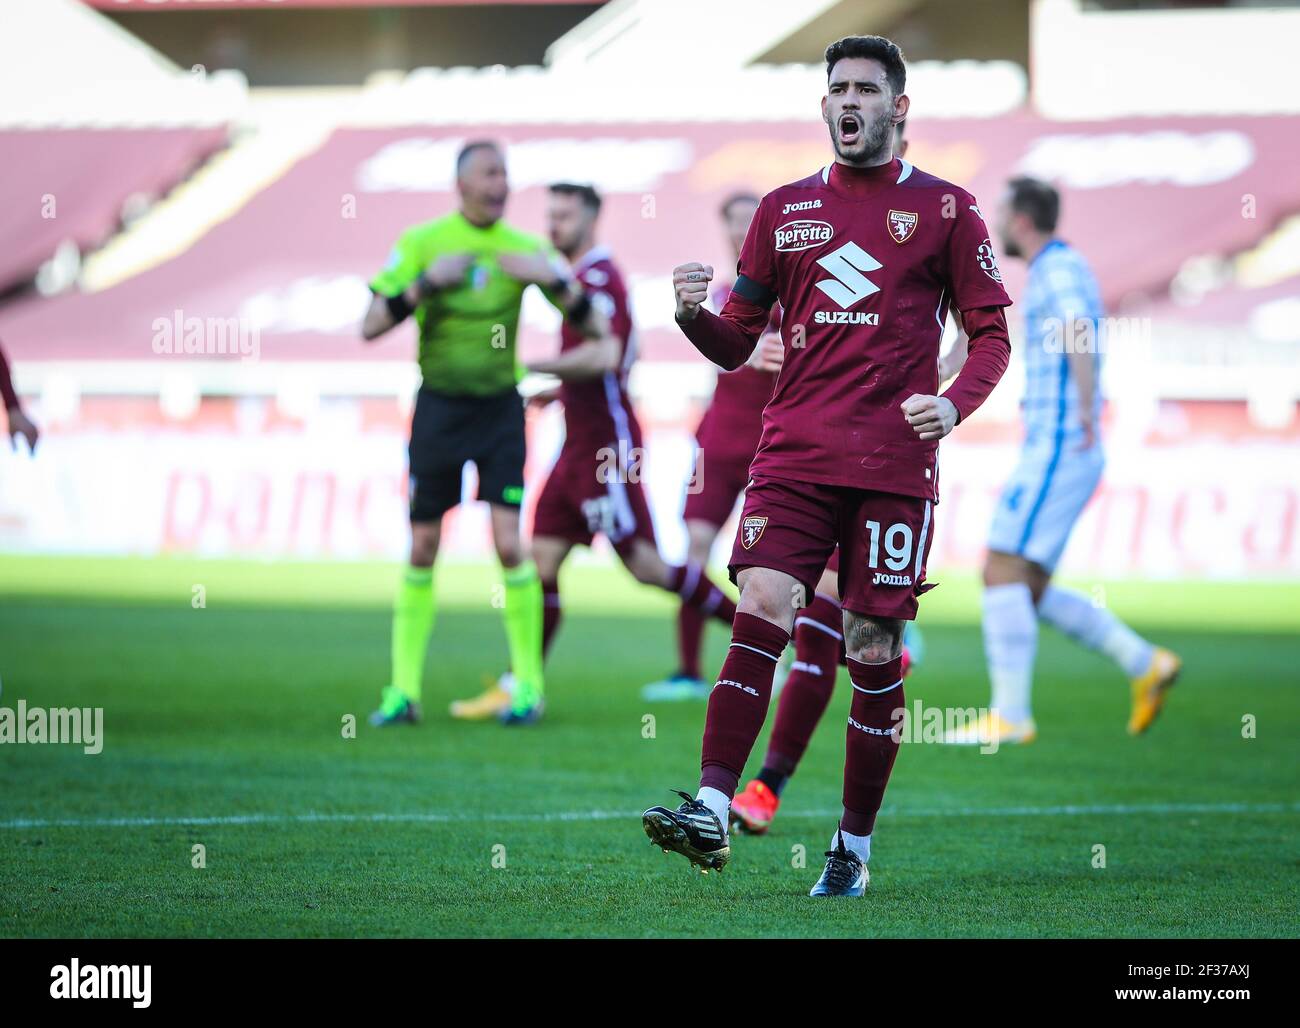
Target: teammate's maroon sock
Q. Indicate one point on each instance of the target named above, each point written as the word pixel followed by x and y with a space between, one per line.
pixel 738 703
pixel 551 613
pixel 818 641
pixel 871 746
pixel 690 632
pixel 694 587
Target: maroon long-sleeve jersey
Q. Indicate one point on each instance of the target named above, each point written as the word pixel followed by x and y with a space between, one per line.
pixel 597 411
pixel 866 263
pixel 733 425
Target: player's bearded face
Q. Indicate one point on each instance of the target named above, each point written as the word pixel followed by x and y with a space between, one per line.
pixel 861 133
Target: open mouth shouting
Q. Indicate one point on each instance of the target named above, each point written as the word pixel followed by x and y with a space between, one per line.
pixel 850 128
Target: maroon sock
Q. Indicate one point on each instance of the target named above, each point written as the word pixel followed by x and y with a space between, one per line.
pixel 690 632
pixel 818 640
pixel 694 587
pixel 551 613
pixel 871 745
pixel 738 702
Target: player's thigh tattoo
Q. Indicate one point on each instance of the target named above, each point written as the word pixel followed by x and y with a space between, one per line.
pixel 872 640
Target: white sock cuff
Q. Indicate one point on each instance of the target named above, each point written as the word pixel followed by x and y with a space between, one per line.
pixel 859 844
pixel 717 801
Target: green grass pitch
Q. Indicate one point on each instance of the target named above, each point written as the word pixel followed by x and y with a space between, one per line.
pixel 223 728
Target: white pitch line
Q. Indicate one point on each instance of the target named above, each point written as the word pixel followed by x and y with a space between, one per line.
pixel 1065 810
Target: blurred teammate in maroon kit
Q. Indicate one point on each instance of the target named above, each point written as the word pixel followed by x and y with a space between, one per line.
pixel 865 257
pixel 595 485
pixel 727 438
pixel 19 423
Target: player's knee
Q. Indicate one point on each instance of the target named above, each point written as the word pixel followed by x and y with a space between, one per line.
pixel 871 640
pixel 424 546
pixel 645 564
pixel 767 599
pixel 510 552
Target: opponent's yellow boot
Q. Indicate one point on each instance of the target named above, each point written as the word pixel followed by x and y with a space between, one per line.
pixel 487 705
pixel 990 728
pixel 1151 687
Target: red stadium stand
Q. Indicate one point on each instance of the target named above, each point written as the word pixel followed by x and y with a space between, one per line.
pixel 70 185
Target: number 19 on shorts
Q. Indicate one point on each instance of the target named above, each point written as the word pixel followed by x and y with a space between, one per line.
pixel 897 540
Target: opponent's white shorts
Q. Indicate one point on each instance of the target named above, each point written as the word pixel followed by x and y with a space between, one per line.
pixel 1043 499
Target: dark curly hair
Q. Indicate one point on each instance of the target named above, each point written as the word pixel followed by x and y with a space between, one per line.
pixel 878 48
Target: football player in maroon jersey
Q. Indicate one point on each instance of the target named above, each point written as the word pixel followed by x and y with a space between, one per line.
pixel 595 485
pixel 866 257
pixel 818 653
pixel 727 437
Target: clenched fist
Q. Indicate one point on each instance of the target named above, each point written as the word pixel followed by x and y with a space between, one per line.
pixel 931 417
pixel 691 285
pixel 769 354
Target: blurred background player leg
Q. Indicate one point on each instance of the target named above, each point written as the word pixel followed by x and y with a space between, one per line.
pixel 726 437
pixel 1059 470
pixel 706 511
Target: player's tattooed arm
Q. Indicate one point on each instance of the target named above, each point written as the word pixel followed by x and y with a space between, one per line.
pixel 872 640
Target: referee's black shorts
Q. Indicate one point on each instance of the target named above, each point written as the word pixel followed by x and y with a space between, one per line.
pixel 447 431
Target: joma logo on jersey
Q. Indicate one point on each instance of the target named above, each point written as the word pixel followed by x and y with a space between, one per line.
pixel 846 318
pixel 802 235
pixel 883 579
pixel 805 205
pixel 751 530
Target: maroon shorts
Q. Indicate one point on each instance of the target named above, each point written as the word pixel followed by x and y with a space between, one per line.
pixel 583 497
pixel 884 540
pixel 718 480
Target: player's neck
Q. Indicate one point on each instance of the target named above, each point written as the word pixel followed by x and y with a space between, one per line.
pixel 584 246
pixel 862 179
pixel 477 218
pixel 1034 247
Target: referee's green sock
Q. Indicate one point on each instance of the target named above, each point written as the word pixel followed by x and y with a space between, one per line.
pixel 523 618
pixel 412 625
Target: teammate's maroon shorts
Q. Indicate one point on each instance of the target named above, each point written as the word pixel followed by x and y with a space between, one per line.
pixel 718 480
pixel 884 541
pixel 584 496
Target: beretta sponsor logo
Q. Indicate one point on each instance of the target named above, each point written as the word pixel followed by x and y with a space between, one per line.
pixel 802 235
